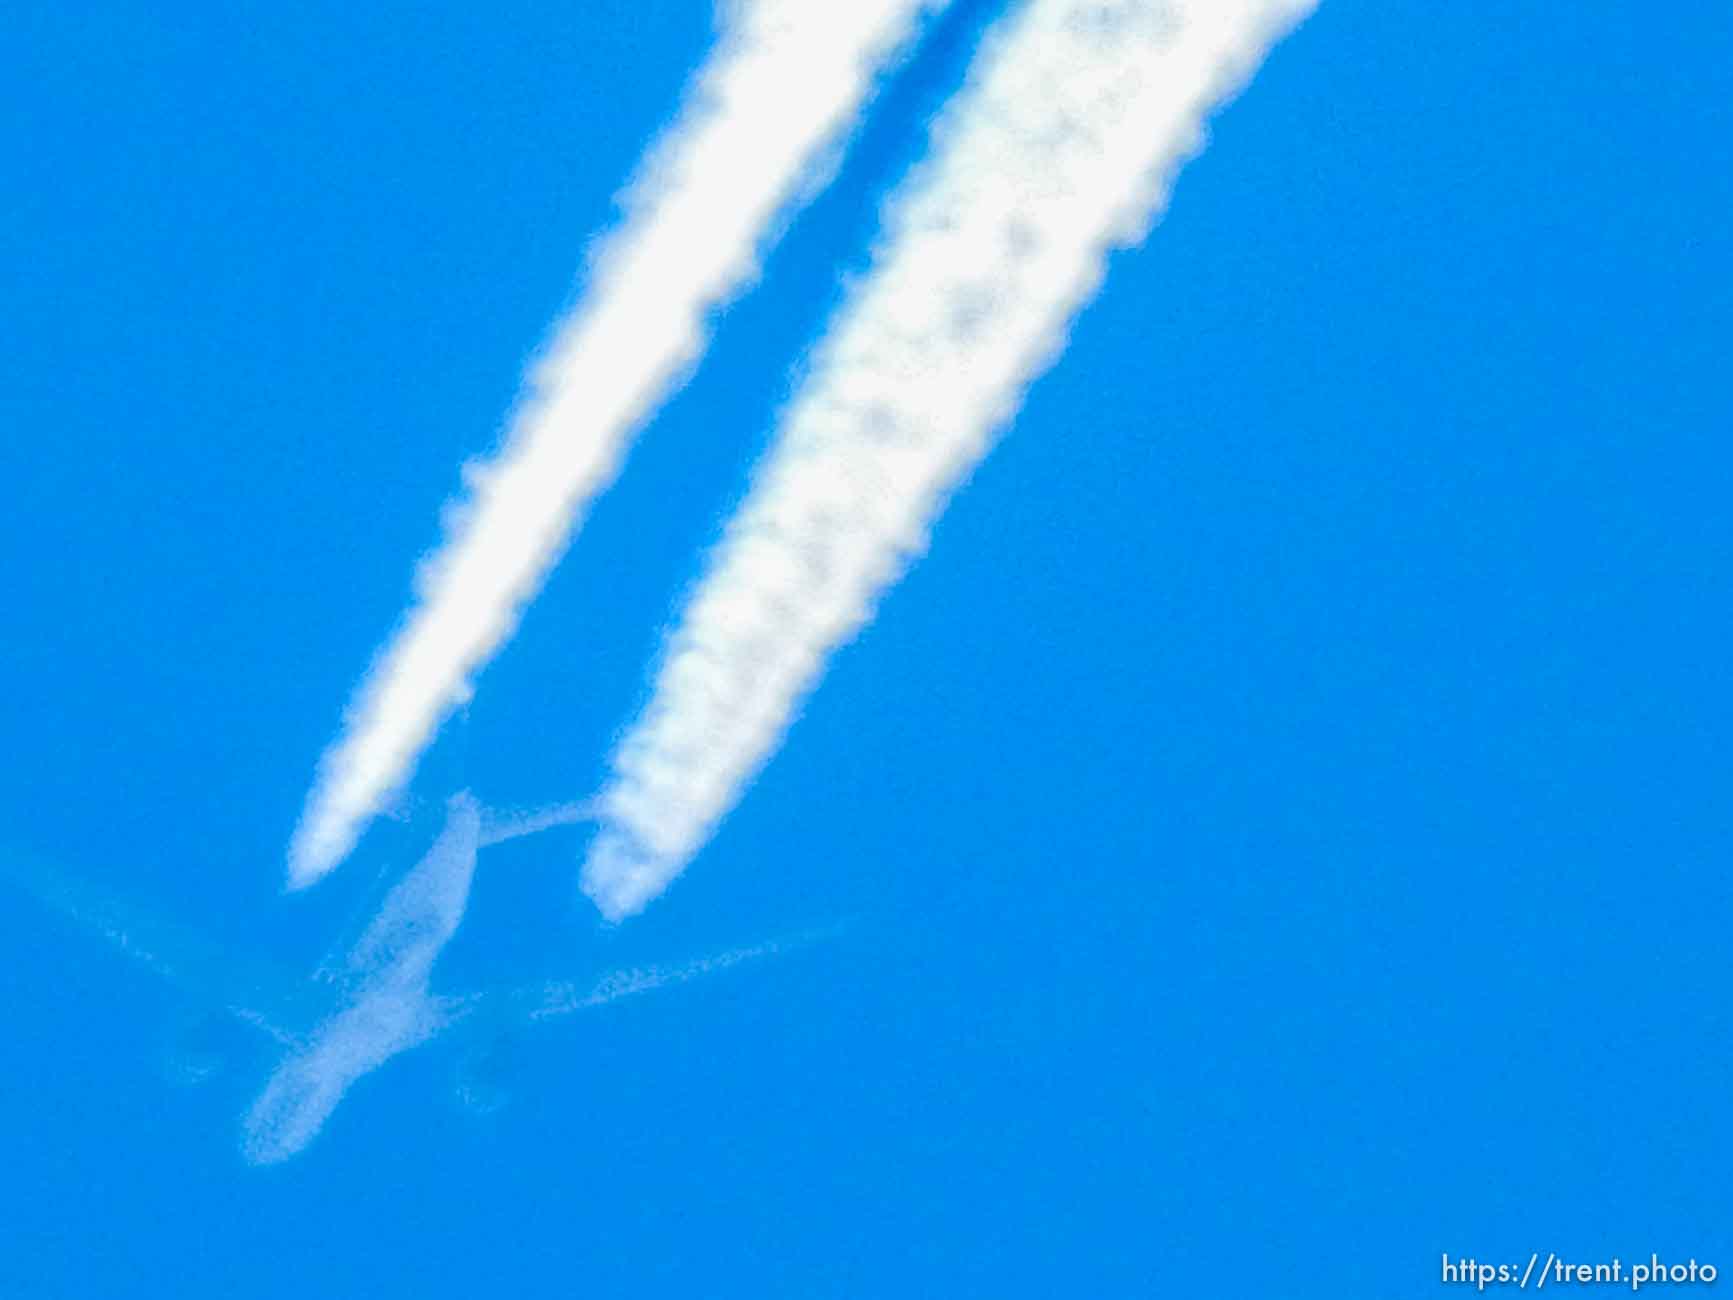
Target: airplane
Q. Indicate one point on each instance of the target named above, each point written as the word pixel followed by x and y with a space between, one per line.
pixel 373 1000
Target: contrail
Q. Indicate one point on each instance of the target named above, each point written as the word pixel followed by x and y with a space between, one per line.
pixel 759 124
pixel 1061 145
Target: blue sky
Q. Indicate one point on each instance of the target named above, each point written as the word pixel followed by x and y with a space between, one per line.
pixel 1280 830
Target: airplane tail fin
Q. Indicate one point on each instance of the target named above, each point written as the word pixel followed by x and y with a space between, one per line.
pixel 497 826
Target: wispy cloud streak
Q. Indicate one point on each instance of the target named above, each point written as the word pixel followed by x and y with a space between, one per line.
pixel 1062 145
pixel 758 126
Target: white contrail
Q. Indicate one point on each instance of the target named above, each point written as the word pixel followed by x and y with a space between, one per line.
pixel 1061 145
pixel 759 125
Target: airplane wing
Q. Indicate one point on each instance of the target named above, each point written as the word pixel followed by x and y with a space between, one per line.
pixel 254 994
pixel 492 1022
pixel 555 999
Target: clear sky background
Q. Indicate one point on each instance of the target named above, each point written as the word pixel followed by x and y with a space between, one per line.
pixel 1281 830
